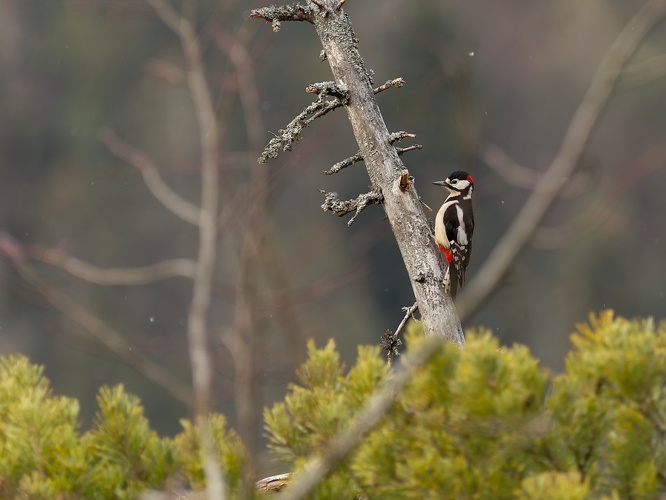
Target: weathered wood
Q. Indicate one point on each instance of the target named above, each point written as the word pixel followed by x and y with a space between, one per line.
pixel 387 173
pixel 403 208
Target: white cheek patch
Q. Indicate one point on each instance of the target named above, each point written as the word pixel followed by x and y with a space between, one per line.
pixel 462 235
pixel 468 196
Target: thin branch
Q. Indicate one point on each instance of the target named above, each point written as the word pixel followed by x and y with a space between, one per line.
pixel 273 483
pixel 331 89
pixel 277 14
pixel 402 151
pixel 396 82
pixel 390 341
pixel 585 177
pixel 151 177
pixel 168 15
pixel 603 206
pixel 113 276
pixel 292 133
pixel 377 405
pixel 341 208
pixel 251 234
pixel 643 73
pixel 400 135
pixel 394 137
pixel 409 312
pixel 347 162
pixel 103 333
pixel 577 135
pixel 197 326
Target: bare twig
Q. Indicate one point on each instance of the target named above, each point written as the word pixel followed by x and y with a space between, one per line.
pixel 276 14
pixel 103 333
pixel 390 341
pixel 517 175
pixel 409 312
pixel 243 345
pixel 292 133
pixel 550 184
pixel 396 82
pixel 398 136
pixel 643 73
pixel 113 276
pixel 347 162
pixel 394 137
pixel 377 405
pixel 273 483
pixel 408 149
pixel 330 89
pixel 341 208
pixel 602 207
pixel 151 177
pixel 197 326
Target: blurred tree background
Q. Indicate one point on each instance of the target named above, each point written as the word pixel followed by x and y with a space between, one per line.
pixel 78 76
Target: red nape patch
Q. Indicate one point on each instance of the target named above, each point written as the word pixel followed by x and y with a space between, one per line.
pixel 469 178
pixel 446 251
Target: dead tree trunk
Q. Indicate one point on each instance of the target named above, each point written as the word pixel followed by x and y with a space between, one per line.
pixel 353 86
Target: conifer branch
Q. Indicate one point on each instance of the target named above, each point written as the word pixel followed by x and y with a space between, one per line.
pixel 377 405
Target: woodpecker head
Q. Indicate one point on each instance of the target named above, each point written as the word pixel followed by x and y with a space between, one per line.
pixel 458 182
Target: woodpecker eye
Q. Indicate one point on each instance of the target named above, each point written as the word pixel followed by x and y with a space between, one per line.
pixel 454 181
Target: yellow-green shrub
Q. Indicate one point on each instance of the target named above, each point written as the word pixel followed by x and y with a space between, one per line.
pixel 487 422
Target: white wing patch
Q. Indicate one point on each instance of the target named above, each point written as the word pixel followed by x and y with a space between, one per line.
pixel 462 235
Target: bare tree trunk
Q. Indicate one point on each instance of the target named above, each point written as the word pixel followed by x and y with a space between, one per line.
pixel 401 203
pixel 403 208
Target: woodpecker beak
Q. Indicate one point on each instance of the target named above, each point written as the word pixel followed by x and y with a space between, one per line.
pixel 440 183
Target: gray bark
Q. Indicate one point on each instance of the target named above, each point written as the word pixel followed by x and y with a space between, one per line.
pixel 403 209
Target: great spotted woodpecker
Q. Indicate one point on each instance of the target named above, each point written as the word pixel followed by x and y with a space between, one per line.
pixel 454 227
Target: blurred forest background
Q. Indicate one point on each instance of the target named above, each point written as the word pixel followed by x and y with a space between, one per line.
pixel 87 85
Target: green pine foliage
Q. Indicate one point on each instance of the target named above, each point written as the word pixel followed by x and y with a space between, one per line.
pixel 475 422
pixel 44 454
pixel 488 422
